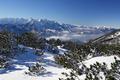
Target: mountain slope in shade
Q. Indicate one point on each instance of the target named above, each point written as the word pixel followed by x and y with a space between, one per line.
pixel 111 38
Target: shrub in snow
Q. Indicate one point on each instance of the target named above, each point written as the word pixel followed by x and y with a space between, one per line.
pixel 109 74
pixel 55 42
pixel 3 62
pixel 70 45
pixel 31 39
pixel 80 53
pixel 55 50
pixel 66 61
pixel 52 49
pixel 8 47
pixel 36 69
pixel 39 52
pixel 94 72
pixel 114 73
pixel 8 44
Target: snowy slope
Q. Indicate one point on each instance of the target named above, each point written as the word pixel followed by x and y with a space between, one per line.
pixel 21 63
pixel 107 59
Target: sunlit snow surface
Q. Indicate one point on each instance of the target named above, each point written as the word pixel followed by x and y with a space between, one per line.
pixel 107 59
pixel 21 63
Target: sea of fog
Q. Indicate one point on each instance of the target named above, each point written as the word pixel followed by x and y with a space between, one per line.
pixel 76 37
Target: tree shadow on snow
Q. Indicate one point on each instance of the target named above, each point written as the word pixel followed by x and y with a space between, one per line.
pixel 47 74
pixel 49 63
pixel 9 69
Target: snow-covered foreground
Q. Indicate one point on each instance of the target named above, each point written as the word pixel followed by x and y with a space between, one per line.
pixel 21 63
pixel 107 59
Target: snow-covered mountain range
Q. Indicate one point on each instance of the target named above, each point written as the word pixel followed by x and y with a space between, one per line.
pixel 52 29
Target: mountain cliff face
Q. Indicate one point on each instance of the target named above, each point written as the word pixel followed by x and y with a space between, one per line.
pixel 52 29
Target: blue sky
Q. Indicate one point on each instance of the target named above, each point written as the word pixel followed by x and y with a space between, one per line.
pixel 78 12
